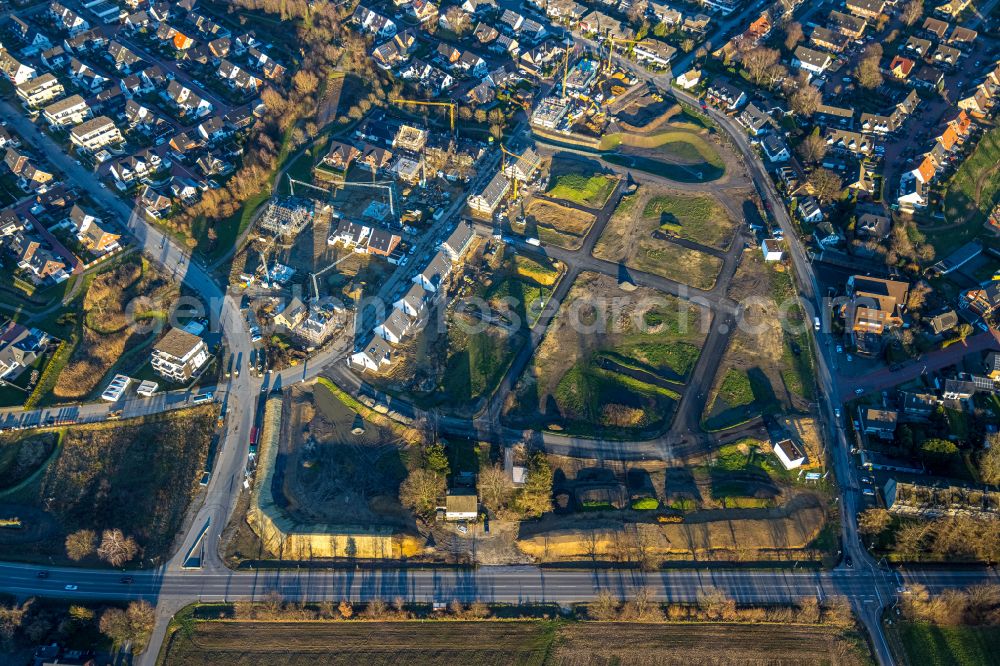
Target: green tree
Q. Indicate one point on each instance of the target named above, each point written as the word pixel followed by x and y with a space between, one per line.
pixel 535 497
pixel 436 459
pixel 938 453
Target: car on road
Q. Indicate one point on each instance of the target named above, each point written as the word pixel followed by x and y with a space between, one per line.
pixel 849 561
pixel 126 580
pixel 850 358
pixel 840 349
pixel 859 391
pixel 70 587
pixel 868 480
pixel 868 492
pixel 42 574
pixel 836 412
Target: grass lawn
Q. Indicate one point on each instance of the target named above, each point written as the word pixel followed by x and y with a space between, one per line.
pixel 697 217
pixel 736 390
pixel 476 360
pixel 972 192
pixel 673 360
pixel 137 475
pixel 690 267
pixel 740 396
pixel 932 645
pixel 591 191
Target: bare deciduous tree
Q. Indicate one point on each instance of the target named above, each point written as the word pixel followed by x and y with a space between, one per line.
pixel 912 11
pixel 495 489
pixel 873 522
pixel 116 549
pixel 826 185
pixel 813 148
pixel 793 34
pixel 989 461
pixel 805 100
pixel 604 608
pixel 421 491
pixel 80 544
pixel 760 63
pixel 867 72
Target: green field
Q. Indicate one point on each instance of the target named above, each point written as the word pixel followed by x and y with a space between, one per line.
pixel 637 238
pixel 590 191
pixel 476 360
pixel 736 390
pixel 673 360
pixel 933 645
pixel 697 217
pixel 740 396
pixel 972 193
pixel 691 267
pixel 611 400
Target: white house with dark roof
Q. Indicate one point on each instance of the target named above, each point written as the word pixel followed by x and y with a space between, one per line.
pixel 373 356
pixel 414 301
pixel 490 197
pixel 814 62
pixel 435 273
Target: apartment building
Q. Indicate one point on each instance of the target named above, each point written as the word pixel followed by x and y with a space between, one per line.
pixel 40 90
pixel 96 133
pixel 179 355
pixel 71 110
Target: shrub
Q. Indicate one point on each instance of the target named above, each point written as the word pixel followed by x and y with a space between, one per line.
pixel 646 504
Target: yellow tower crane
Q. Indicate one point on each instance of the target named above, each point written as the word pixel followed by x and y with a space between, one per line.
pixel 565 70
pixel 611 48
pixel 516 157
pixel 450 105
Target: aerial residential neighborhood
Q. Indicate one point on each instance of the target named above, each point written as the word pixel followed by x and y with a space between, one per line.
pixel 667 329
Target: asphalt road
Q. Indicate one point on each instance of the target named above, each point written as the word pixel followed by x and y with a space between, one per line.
pixel 492 584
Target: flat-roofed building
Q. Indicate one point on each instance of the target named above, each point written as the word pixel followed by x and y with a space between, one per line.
pixel 179 355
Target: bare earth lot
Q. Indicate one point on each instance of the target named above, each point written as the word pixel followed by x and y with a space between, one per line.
pixel 639 235
pixel 767 366
pixel 137 475
pixel 561 225
pixel 503 643
pixel 610 372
